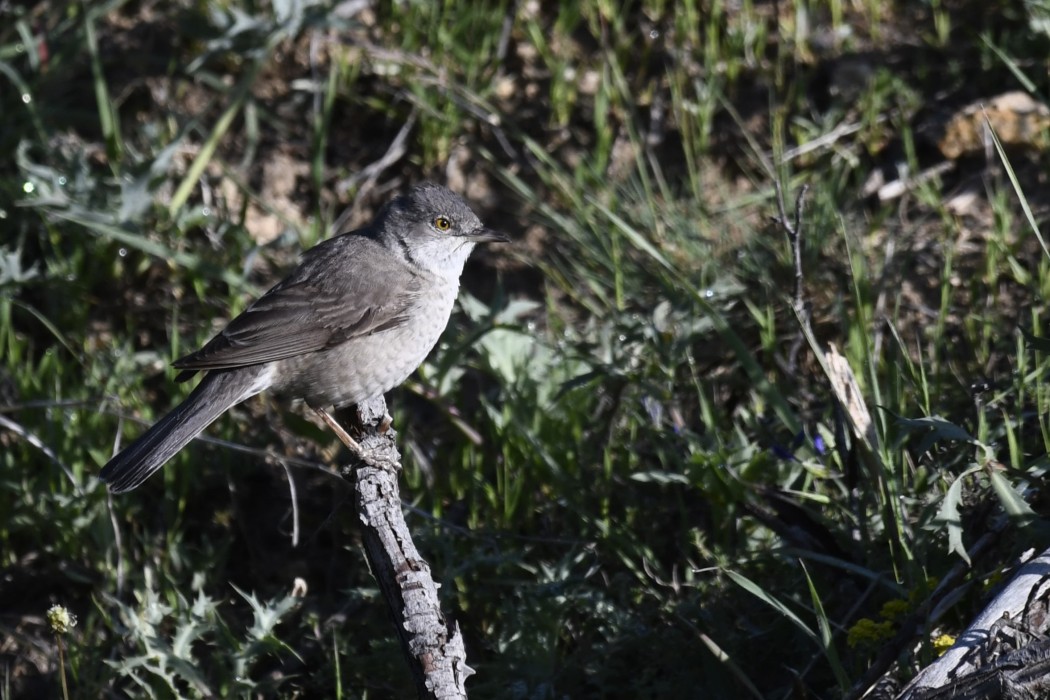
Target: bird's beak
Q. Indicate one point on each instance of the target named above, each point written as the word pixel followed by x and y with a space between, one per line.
pixel 487 235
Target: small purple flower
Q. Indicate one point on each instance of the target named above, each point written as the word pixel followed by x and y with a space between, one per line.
pixel 819 446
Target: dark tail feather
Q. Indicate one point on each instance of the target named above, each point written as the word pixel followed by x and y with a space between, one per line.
pixel 217 392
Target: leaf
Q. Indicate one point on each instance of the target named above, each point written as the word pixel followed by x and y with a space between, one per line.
pixel 943 430
pixel 266 615
pixel 136 190
pixel 632 234
pixel 1038 342
pixel 11 269
pixel 657 476
pixel 1012 502
pixel 948 513
pixel 824 625
pixel 754 589
pixel 106 229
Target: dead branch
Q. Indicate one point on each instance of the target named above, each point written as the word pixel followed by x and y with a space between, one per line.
pixel 433 649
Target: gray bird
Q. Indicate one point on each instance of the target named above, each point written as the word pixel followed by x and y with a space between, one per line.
pixel 357 316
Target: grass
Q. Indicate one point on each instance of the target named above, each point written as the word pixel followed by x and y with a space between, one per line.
pixel 629 482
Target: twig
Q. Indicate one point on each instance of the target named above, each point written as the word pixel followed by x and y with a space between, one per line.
pixel 293 497
pixel 901 186
pixel 371 173
pixel 433 649
pixel 793 229
pixel 828 139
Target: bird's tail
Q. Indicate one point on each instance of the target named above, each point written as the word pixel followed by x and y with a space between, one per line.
pixel 217 392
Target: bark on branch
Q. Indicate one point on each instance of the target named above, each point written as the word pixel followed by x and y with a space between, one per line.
pixel 434 651
pixel 1004 652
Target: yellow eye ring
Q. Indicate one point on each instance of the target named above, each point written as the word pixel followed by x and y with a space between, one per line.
pixel 442 224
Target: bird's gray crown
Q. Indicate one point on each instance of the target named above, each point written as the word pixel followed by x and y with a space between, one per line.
pixel 430 209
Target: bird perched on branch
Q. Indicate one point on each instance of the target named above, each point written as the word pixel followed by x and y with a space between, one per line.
pixel 357 316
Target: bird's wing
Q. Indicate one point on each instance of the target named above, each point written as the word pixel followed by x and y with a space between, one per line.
pixel 340 291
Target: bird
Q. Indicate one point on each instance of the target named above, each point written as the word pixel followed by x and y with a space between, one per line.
pixel 354 319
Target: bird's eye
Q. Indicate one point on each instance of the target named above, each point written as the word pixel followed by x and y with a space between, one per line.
pixel 442 224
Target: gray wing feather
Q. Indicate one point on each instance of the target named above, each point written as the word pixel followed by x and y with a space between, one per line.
pixel 323 303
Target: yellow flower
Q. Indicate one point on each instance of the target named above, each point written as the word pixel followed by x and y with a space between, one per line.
pixel 894 610
pixel 867 632
pixel 943 643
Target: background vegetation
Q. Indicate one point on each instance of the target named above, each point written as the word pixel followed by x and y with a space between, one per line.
pixel 623 461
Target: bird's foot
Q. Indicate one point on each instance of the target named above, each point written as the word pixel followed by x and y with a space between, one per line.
pixel 340 432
